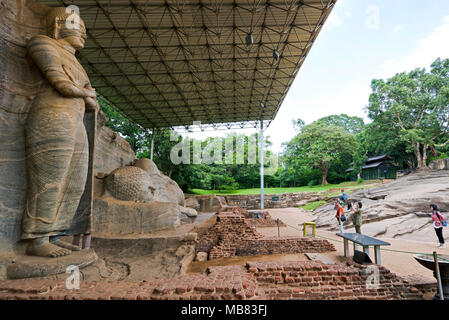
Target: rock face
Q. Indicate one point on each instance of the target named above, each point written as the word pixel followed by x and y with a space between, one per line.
pixel 164 188
pixel 206 203
pixel 20 21
pixel 193 203
pixel 399 209
pixel 115 217
pixel 111 150
pixel 441 164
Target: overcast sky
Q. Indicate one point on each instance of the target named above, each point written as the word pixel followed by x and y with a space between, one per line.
pixel 362 40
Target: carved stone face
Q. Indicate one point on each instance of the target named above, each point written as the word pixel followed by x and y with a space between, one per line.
pixel 76 36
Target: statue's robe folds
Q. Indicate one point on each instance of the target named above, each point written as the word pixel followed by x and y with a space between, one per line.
pixel 56 145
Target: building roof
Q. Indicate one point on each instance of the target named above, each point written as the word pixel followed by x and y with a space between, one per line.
pixel 377 158
pixel 373 165
pixel 369 166
pixel 167 63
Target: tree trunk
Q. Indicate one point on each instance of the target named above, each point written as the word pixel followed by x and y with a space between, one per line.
pixel 324 170
pixel 418 155
pixel 424 156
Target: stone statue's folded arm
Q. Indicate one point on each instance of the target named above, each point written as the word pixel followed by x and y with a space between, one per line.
pixel 44 54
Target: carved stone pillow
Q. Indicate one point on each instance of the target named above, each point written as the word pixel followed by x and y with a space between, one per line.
pixel 129 184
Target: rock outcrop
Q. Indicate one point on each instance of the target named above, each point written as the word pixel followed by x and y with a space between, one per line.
pixel 399 209
pixel 441 164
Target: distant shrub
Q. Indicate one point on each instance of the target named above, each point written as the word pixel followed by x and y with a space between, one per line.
pixel 360 180
pixel 231 187
pixel 312 183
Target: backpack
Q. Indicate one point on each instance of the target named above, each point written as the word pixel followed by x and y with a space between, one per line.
pixel 444 222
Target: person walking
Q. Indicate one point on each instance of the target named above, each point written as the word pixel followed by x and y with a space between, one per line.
pixel 340 215
pixel 357 217
pixel 438 222
pixel 344 198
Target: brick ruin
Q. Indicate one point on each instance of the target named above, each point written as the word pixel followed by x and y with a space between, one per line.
pixel 213 203
pixel 234 235
pixel 257 219
pixel 281 200
pixel 303 280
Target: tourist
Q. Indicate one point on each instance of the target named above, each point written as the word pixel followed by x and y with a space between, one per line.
pixel 344 199
pixel 438 221
pixel 357 217
pixel 340 215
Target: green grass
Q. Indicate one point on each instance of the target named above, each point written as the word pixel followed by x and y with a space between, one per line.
pixel 313 205
pixel 349 185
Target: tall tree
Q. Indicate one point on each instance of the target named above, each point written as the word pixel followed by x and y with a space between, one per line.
pixel 412 108
pixel 350 124
pixel 318 144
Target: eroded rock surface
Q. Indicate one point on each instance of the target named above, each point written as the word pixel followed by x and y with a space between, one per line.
pixel 399 209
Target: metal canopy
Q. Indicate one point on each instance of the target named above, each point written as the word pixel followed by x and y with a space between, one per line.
pixel 170 63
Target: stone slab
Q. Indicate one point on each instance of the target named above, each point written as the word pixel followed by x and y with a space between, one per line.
pixel 31 267
pixel 363 240
pixel 318 257
pixel 117 217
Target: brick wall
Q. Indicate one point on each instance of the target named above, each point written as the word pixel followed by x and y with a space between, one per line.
pixel 274 245
pixel 303 280
pixel 282 200
pixel 232 231
pixel 233 235
pixel 263 222
pixel 213 203
pixel 313 280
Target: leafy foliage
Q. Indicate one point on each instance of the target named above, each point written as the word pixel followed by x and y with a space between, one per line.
pixel 409 114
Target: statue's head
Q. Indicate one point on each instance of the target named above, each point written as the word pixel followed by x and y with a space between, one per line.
pixel 65 23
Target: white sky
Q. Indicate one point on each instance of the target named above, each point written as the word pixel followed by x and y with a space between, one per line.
pixel 362 40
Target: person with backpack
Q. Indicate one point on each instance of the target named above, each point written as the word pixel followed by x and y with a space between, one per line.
pixel 438 222
pixel 340 215
pixel 343 198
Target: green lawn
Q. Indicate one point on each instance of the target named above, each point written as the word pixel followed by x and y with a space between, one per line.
pixel 349 185
pixel 313 205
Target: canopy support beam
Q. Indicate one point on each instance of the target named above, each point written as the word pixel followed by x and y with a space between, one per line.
pixel 152 144
pixel 261 158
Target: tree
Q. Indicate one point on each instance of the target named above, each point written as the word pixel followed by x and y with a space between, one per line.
pixel 351 124
pixel 412 109
pixel 137 136
pixel 318 144
pixel 360 155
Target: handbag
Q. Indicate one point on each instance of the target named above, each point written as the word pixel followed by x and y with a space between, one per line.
pixel 444 221
pixel 343 218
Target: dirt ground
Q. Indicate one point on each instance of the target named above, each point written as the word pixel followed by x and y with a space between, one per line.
pixel 400 263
